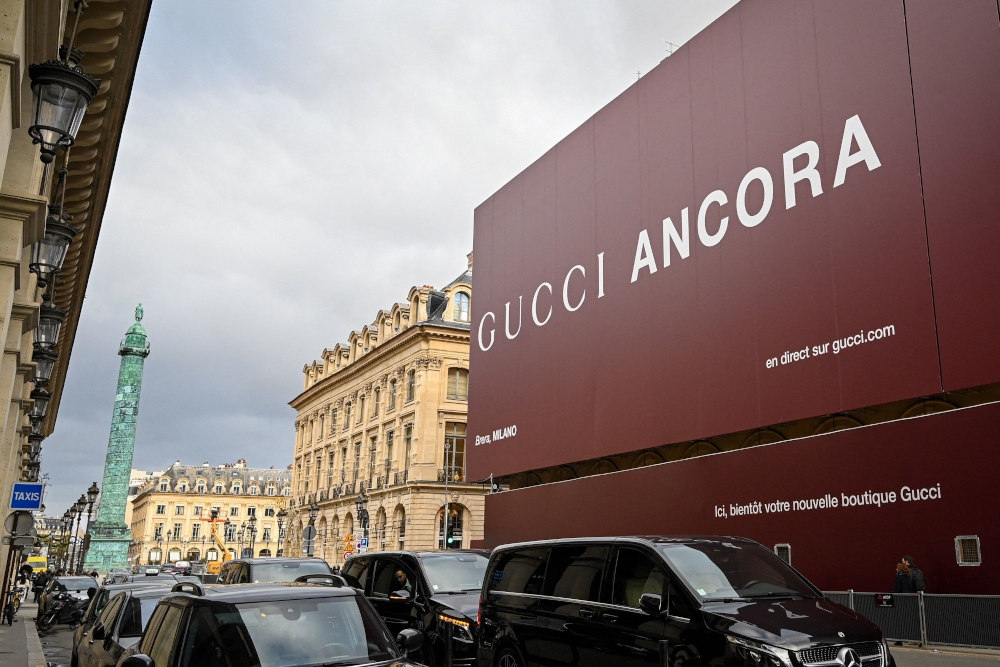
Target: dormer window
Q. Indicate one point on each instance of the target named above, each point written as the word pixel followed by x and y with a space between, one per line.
pixel 461 307
pixel 164 485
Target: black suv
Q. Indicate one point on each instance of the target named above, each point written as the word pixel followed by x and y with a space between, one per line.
pixel 269 625
pixel 436 592
pixel 693 601
pixel 270 570
pixel 117 628
pixel 100 601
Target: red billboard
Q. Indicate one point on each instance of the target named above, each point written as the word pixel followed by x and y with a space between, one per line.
pixel 850 504
pixel 755 232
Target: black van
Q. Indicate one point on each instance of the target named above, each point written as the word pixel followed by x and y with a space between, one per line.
pixel 665 601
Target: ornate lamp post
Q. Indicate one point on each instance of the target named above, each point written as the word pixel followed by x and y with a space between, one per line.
pixel 281 529
pixel 92 494
pixel 78 508
pixel 253 532
pixel 48 255
pixel 361 509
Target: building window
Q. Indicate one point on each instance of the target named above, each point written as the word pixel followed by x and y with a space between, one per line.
pixel 178 531
pixel 182 487
pixel 237 488
pixel 411 385
pixel 179 510
pixel 458 384
pixel 197 510
pixel 164 486
pixel 454 451
pixel 268 511
pixel 231 532
pixel 271 489
pixel 201 486
pixel 392 396
pixel 161 509
pixel 234 511
pixel 254 490
pixel 347 415
pixel 361 409
pixel 287 491
pixel 196 531
pixel 372 456
pixel 333 421
pixel 461 307
pixel 218 487
pixel 266 536
pixel 251 511
pixel 389 436
pixel 967 550
pixel 375 399
pixel 454 511
pixel 158 531
pixel 322 425
pixel 357 460
pixel 784 552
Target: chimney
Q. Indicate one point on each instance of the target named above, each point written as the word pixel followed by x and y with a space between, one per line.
pixel 469 257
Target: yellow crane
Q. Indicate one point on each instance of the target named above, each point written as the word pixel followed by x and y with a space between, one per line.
pixel 215 566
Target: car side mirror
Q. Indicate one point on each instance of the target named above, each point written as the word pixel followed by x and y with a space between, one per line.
pixel 651 603
pixel 98 633
pixel 407 640
pixel 138 660
pixel 401 595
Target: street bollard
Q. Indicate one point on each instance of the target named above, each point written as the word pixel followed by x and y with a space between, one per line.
pixel 448 633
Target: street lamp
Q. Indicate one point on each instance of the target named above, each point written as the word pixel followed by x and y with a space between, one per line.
pixel 361 507
pixel 91 498
pixel 50 320
pixel 253 531
pixel 48 254
pixel 281 529
pixel 41 398
pixel 62 93
pixel 78 508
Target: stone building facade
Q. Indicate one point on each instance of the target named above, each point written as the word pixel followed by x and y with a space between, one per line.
pixel 109 38
pixel 171 513
pixel 382 417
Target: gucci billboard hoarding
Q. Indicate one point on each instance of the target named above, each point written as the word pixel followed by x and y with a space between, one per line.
pixel 775 223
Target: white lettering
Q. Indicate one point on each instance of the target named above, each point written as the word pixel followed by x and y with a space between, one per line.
pixel 481 322
pixel 709 240
pixel 643 257
pixel 855 131
pixel 811 149
pixel 600 275
pixel 507 321
pixel 534 305
pixel 583 272
pixel 764 176
pixel 681 241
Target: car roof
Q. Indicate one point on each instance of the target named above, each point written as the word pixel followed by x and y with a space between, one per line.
pixel 650 540
pixel 75 578
pixel 127 586
pixel 258 561
pixel 238 593
pixel 151 592
pixel 425 554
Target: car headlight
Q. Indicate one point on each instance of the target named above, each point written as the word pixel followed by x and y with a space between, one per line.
pixel 756 654
pixel 461 628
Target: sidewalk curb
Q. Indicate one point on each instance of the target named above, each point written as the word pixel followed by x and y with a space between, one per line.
pixel 36 657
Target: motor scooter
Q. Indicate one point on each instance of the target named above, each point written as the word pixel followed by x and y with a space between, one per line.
pixel 65 608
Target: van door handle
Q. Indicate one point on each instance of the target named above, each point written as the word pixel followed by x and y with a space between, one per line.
pixel 610 618
pixel 586 613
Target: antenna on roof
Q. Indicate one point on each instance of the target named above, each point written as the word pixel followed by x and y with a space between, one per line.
pixel 671 47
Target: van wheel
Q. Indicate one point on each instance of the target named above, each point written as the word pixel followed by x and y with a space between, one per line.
pixel 508 657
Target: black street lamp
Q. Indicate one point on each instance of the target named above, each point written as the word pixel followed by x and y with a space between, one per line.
pixel 281 529
pixel 62 92
pixel 78 508
pixel 361 507
pixel 92 494
pixel 41 398
pixel 253 532
pixel 50 321
pixel 48 255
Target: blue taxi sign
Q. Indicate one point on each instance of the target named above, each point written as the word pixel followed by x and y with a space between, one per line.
pixel 26 496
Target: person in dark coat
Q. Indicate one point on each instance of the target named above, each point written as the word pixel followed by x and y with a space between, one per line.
pixel 904 582
pixel 919 584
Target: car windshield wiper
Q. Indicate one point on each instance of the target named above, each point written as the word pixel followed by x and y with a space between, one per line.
pixel 728 599
pixel 779 594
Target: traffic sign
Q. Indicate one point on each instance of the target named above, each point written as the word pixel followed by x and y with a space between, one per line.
pixel 309 533
pixel 363 543
pixel 19 523
pixel 26 496
pixel 348 554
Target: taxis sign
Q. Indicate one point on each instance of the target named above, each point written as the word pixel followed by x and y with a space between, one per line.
pixel 26 496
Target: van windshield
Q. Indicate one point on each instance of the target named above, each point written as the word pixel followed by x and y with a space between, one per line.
pixel 290 571
pixel 455 573
pixel 720 571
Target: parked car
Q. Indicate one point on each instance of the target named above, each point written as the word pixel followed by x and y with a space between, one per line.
pixel 182 567
pixel 118 627
pixel 100 601
pixel 436 592
pixel 659 600
pixel 116 575
pixel 288 624
pixel 265 570
pixel 77 587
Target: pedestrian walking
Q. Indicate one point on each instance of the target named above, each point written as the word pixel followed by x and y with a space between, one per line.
pixel 903 582
pixel 919 584
pixel 40 581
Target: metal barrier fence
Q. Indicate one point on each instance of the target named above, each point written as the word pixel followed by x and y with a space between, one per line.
pixel 946 620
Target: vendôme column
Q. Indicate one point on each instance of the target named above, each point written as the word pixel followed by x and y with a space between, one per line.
pixel 110 537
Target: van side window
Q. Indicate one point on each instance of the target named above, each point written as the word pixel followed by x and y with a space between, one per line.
pixel 576 572
pixel 356 572
pixel 635 574
pixel 519 572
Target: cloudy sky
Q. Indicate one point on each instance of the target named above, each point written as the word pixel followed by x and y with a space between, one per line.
pixel 287 169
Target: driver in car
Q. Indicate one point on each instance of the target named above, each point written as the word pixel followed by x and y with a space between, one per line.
pixel 403 582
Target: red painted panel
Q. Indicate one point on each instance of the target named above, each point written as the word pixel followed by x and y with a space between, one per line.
pixel 681 353
pixel 838 547
pixel 955 60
